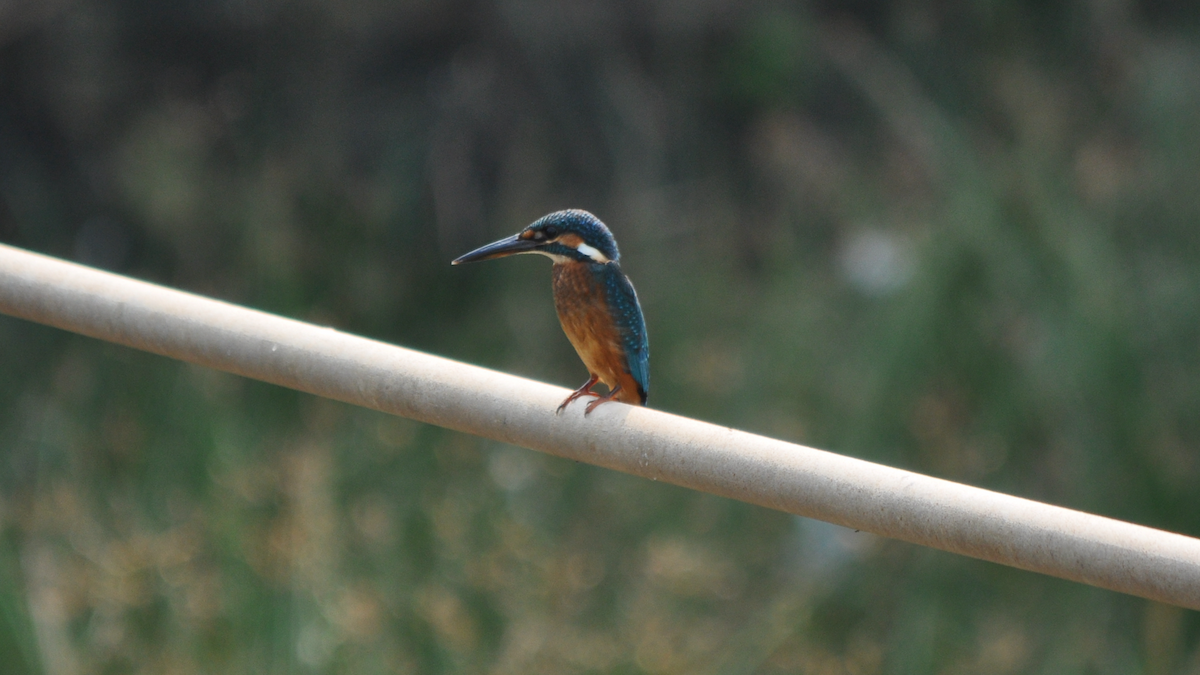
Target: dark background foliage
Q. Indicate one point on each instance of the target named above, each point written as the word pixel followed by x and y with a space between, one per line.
pixel 959 238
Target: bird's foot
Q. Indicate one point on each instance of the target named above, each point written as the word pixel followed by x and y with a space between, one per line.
pixel 602 399
pixel 585 390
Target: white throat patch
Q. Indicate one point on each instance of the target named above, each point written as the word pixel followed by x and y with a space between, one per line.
pixel 558 259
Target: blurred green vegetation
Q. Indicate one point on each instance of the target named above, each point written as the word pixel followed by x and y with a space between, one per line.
pixel 956 238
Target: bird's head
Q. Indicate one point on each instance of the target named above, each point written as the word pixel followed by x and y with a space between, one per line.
pixel 563 236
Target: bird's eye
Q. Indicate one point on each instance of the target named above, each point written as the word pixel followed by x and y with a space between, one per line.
pixel 551 231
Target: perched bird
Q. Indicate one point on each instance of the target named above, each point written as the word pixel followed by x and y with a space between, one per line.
pixel 596 304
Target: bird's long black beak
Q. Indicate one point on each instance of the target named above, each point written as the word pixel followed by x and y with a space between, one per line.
pixel 498 249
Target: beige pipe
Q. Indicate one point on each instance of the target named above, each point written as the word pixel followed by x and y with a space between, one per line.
pixel 793 478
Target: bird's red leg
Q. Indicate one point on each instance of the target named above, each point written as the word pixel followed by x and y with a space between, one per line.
pixel 585 390
pixel 603 399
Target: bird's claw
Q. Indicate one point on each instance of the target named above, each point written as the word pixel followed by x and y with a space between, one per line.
pixel 585 390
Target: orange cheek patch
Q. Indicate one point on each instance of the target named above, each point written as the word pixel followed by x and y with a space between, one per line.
pixel 570 239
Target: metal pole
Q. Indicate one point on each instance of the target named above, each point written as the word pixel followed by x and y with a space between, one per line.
pixel 808 482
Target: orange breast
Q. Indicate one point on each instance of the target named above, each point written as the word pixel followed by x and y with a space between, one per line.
pixel 585 319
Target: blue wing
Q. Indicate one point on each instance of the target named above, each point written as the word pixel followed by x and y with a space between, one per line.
pixel 623 303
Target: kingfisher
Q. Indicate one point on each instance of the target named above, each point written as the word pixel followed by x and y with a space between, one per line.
pixel 595 301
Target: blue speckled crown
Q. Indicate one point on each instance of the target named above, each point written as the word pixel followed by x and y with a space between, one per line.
pixel 593 232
